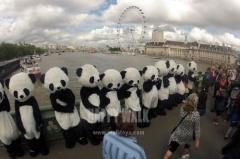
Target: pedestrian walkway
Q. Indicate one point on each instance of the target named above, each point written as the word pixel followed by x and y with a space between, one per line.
pixel 154 140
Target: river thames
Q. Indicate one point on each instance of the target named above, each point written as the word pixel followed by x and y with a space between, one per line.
pixel 74 60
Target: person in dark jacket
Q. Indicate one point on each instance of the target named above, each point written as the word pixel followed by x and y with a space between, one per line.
pixel 202 100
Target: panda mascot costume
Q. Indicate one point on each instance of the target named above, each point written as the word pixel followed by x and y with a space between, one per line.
pixel 163 92
pixel 171 65
pixel 63 100
pixel 192 67
pixel 28 115
pixel 90 111
pixel 9 134
pixel 130 91
pixel 180 86
pixel 109 97
pixel 149 95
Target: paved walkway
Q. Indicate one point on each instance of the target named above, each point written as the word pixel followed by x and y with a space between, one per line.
pixel 154 141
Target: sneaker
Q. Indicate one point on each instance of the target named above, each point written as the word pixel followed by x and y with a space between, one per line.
pixel 185 156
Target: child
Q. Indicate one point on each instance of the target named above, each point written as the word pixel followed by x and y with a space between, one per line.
pixel 186 90
pixel 202 99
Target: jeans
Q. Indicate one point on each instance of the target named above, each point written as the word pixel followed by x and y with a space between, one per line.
pixel 201 112
pixel 230 109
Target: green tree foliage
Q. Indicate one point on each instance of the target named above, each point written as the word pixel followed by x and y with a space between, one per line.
pixel 9 51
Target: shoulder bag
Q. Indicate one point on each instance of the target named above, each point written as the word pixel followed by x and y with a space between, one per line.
pixel 179 124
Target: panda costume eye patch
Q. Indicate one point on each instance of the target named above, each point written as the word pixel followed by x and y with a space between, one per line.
pixel 51 87
pixel 91 80
pixel 15 93
pixel 63 83
pixel 130 82
pixel 26 91
pixel 110 85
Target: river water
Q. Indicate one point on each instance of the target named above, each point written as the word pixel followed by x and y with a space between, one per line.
pixel 74 60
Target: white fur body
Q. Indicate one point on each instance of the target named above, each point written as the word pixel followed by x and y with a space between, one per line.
pixel 87 114
pixel 172 85
pixel 163 93
pixel 114 107
pixel 29 123
pixel 8 128
pixel 67 120
pixel 191 83
pixel 180 88
pixel 133 102
pixel 150 99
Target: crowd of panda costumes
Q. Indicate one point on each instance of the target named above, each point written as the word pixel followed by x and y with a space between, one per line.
pixel 130 91
pixel 192 67
pixel 62 99
pixel 28 115
pixel 110 97
pixel 179 97
pixel 163 92
pixel 149 95
pixel 91 113
pixel 9 134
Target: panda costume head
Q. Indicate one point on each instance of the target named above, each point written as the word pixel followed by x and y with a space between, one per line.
pixel 55 79
pixel 192 66
pixel 21 86
pixel 150 72
pixel 1 91
pixel 111 79
pixel 179 70
pixel 171 65
pixel 162 66
pixel 131 76
pixel 88 76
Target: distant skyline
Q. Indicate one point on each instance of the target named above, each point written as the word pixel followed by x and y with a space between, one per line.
pixel 94 22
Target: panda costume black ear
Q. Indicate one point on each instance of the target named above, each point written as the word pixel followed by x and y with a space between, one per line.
pixel 144 70
pixel 167 64
pixel 189 64
pixel 7 83
pixel 42 78
pixel 123 73
pixel 65 70
pixel 94 66
pixel 101 76
pixel 79 72
pixel 1 81
pixel 140 73
pixel 32 77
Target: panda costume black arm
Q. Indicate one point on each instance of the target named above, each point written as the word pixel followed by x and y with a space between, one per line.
pixel 104 101
pixel 66 96
pixel 85 92
pixel 123 92
pixel 5 105
pixel 190 73
pixel 147 85
pixel 178 78
pixel 165 81
pixel 36 114
pixel 158 84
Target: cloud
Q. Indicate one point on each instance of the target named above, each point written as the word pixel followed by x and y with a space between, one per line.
pixel 94 22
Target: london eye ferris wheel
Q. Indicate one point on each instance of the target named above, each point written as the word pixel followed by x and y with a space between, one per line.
pixel 131 29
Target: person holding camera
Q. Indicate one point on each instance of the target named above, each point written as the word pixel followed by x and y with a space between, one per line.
pixel 220 103
pixel 216 85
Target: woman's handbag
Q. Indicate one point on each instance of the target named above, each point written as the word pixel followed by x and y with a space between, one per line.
pixel 178 124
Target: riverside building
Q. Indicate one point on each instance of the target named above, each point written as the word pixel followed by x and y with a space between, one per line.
pixel 190 50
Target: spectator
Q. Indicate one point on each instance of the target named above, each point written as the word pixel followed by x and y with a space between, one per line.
pixel 216 86
pixel 223 80
pixel 190 125
pixel 207 78
pixel 232 99
pixel 199 80
pixel 186 90
pixel 212 82
pixel 121 144
pixel 220 103
pixel 202 100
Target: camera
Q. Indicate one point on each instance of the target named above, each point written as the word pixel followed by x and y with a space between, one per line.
pixel 235 83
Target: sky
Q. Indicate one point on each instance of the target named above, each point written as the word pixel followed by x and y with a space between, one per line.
pixel 95 22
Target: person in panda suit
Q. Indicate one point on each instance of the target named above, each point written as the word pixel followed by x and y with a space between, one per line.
pixel 149 95
pixel 110 98
pixel 179 97
pixel 192 67
pixel 171 65
pixel 62 99
pixel 9 134
pixel 163 92
pixel 28 115
pixel 91 113
pixel 130 91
